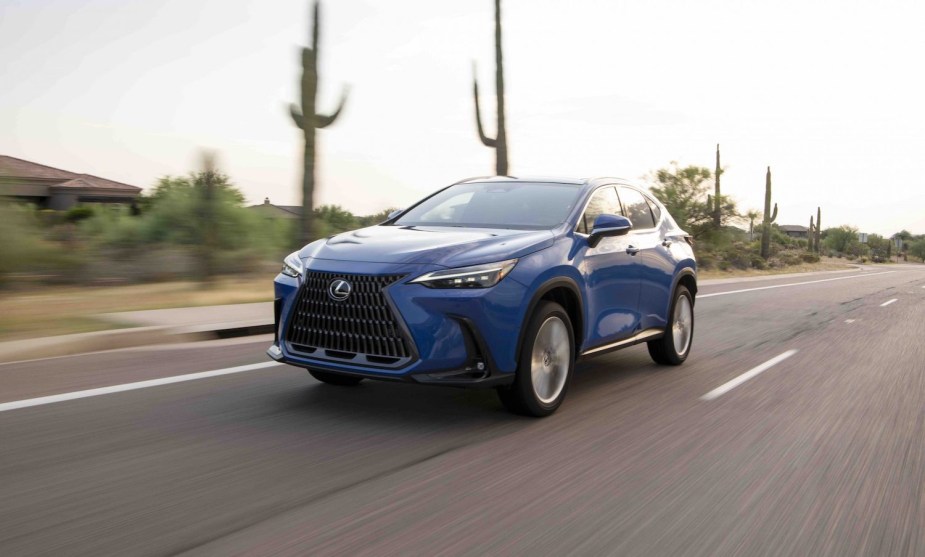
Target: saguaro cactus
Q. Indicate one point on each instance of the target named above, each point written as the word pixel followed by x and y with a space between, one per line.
pixel 307 118
pixel 207 217
pixel 717 198
pixel 769 217
pixel 811 235
pixel 499 143
pixel 818 241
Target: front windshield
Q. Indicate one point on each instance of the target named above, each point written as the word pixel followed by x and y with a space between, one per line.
pixel 521 205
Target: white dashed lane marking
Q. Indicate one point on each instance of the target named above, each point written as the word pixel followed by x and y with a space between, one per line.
pixel 132 386
pixel 728 386
pixel 702 296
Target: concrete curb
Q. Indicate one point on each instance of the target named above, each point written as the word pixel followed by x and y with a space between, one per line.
pixel 82 343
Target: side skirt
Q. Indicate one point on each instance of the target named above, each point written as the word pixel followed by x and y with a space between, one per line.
pixel 640 337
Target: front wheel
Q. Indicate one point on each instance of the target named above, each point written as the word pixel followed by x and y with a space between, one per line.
pixel 674 346
pixel 545 366
pixel 338 379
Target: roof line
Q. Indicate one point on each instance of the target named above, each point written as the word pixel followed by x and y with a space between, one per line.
pixel 40 164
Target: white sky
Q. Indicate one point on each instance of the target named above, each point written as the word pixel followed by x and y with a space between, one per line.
pixel 831 94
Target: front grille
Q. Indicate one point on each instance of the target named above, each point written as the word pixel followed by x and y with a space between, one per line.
pixel 363 324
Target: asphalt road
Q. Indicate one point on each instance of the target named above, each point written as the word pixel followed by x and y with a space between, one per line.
pixel 822 453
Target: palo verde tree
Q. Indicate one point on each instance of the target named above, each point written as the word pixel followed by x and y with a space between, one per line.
pixel 499 142
pixel 307 118
pixel 683 192
pixel 769 217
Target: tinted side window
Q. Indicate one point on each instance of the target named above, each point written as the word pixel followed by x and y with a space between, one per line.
pixel 637 210
pixel 603 202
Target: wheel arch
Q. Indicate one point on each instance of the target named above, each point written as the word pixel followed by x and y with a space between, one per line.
pixel 565 292
pixel 687 277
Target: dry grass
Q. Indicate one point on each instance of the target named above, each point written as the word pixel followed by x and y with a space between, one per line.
pixel 56 310
pixel 826 264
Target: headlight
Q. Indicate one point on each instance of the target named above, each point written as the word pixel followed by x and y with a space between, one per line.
pixel 292 265
pixel 477 276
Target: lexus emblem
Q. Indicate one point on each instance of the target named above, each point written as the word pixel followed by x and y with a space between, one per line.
pixel 339 290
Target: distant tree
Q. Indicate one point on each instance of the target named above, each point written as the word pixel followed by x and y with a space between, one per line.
pixel 374 219
pixel 917 249
pixel 683 191
pixel 879 247
pixel 335 219
pixel 905 235
pixel 841 239
pixel 177 215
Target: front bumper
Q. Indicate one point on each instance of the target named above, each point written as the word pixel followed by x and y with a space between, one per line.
pixel 460 337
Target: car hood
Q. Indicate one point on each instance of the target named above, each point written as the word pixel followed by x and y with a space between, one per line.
pixel 440 245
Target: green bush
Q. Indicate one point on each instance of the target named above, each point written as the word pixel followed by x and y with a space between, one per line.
pixel 706 261
pixel 25 250
pixel 810 258
pixel 78 213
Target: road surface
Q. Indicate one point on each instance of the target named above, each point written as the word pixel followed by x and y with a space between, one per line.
pixel 797 427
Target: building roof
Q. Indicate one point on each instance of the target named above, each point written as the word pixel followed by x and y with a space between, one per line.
pixel 12 167
pixel 289 211
pixel 17 168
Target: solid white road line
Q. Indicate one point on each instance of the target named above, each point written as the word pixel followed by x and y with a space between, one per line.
pixel 701 296
pixel 849 320
pixel 888 302
pixel 132 386
pixel 726 387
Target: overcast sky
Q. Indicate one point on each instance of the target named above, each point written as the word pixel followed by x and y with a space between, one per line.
pixel 830 94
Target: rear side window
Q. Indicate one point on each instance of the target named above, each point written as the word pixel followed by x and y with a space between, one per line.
pixel 603 202
pixel 656 210
pixel 637 209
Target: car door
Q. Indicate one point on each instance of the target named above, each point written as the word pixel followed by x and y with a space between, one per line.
pixel 652 253
pixel 610 274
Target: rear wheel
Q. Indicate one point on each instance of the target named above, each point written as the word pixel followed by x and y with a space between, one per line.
pixel 335 378
pixel 545 366
pixel 673 348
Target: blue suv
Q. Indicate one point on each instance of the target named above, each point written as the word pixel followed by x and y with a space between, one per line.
pixel 492 282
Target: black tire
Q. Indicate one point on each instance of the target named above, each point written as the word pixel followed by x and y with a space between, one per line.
pixel 553 375
pixel 338 379
pixel 663 350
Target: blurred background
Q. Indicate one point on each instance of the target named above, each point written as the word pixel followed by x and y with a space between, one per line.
pixel 108 111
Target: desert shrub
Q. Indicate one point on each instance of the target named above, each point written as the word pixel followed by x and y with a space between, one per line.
pixel 810 258
pixel 788 258
pixel 706 261
pixel 738 255
pixel 24 248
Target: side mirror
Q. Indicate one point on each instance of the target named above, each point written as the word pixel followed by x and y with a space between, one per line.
pixel 394 214
pixel 606 226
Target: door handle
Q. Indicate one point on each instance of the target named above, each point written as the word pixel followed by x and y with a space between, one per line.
pixel 632 250
pixel 666 243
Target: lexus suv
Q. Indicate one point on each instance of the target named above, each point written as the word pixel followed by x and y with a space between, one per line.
pixel 492 282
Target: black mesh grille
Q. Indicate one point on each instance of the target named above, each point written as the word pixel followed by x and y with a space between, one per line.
pixel 361 324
